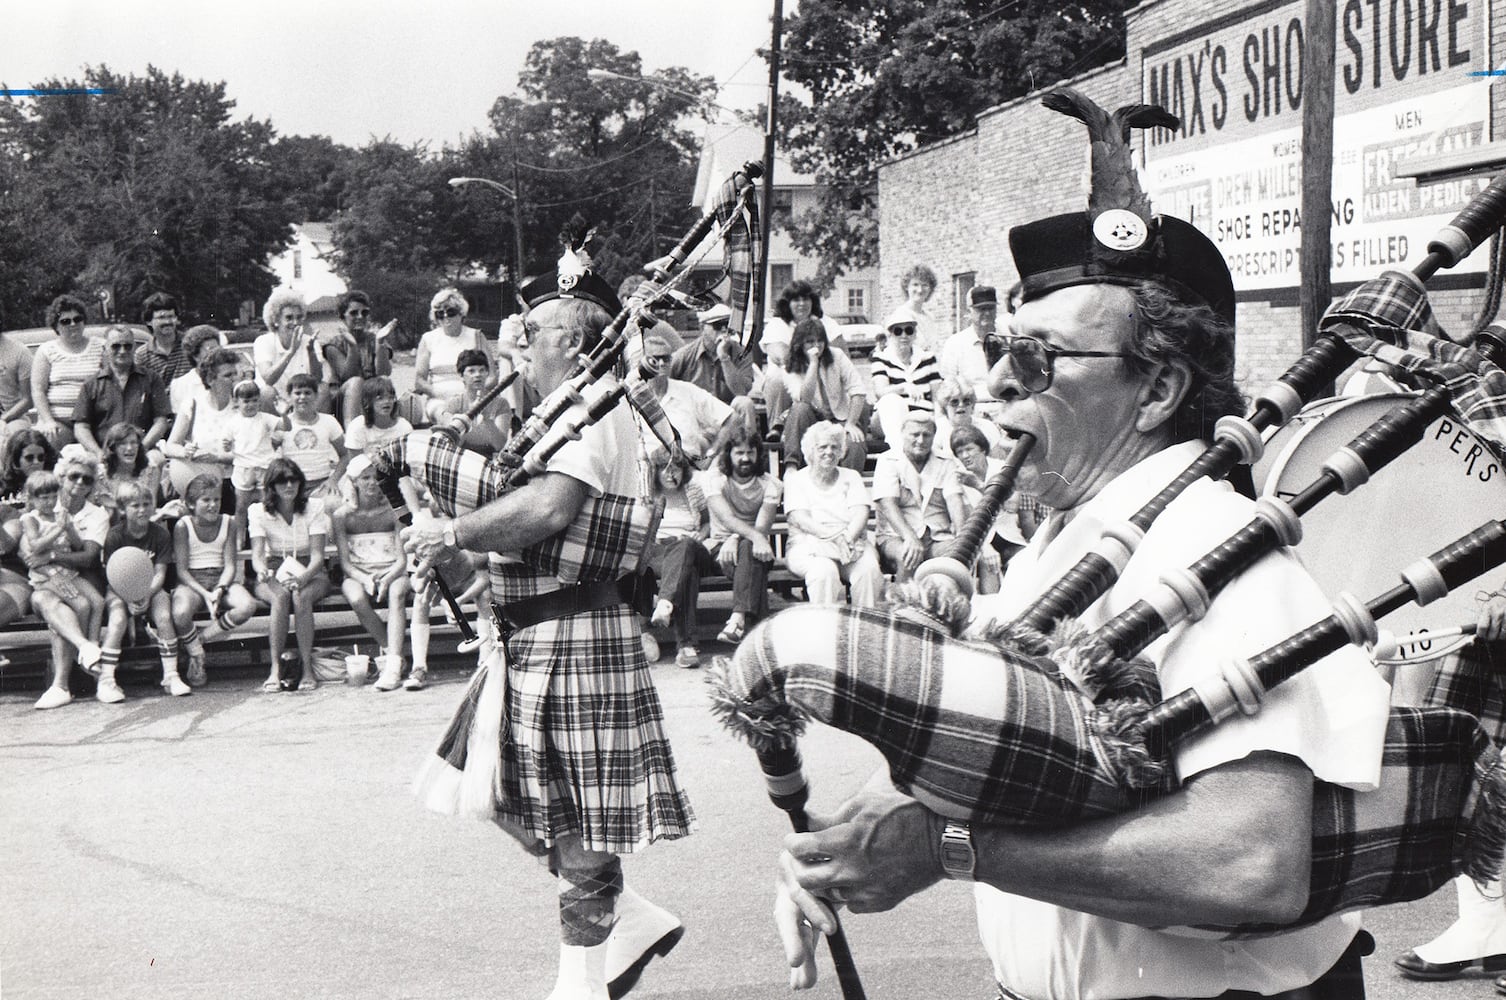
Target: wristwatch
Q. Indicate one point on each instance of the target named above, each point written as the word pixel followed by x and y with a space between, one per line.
pixel 447 535
pixel 957 854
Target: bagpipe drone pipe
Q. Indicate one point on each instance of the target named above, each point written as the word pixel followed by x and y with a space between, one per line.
pixel 996 732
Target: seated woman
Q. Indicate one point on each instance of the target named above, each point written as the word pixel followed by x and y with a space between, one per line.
pixel 819 385
pixel 206 547
pixel 678 557
pixel 371 555
pixel 436 368
pixel 47 533
pixel 126 462
pixel 903 376
pixel 288 533
pixel 827 508
pixel 26 452
pixel 957 406
pixel 288 348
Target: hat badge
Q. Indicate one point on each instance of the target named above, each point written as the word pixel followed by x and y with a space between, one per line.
pixel 567 282
pixel 1120 229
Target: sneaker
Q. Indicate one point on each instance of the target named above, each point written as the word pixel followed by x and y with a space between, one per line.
pixel 89 656
pixel 390 673
pixel 173 685
pixel 417 678
pixel 109 692
pixel 196 676
pixel 688 656
pixel 54 697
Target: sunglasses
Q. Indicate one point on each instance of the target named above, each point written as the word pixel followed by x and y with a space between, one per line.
pixel 121 348
pixel 449 313
pixel 1033 362
pixel 70 321
pixel 79 477
pixel 903 331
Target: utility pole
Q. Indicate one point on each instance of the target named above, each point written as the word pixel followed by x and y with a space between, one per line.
pixel 1315 258
pixel 761 275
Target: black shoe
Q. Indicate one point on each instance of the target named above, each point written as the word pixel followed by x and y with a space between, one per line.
pixel 1414 967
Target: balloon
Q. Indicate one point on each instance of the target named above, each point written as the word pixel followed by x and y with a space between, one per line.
pixel 129 571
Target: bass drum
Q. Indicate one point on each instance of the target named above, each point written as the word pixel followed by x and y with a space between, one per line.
pixel 1444 486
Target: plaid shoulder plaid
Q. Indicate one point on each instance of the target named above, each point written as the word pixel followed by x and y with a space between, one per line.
pixel 1389 318
pixel 984 733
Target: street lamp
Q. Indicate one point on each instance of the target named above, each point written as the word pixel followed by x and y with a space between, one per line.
pixel 517 214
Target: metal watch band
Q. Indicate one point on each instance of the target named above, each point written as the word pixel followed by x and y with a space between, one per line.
pixel 957 854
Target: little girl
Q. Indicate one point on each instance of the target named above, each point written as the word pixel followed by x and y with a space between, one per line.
pixel 288 531
pixel 371 554
pixel 253 437
pixel 378 422
pixel 205 545
pixel 139 531
pixel 680 558
pixel 47 530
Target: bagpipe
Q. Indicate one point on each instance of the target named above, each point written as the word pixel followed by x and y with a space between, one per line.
pixel 1018 728
pixel 459 480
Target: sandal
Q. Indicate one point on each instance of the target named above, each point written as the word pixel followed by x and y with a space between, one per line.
pixel 732 632
pixel 271 686
pixel 307 682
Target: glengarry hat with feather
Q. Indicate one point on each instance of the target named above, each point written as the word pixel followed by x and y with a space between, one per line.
pixel 572 277
pixel 1118 240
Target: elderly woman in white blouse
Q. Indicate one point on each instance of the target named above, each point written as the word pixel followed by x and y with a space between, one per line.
pixel 288 348
pixel 435 374
pixel 827 507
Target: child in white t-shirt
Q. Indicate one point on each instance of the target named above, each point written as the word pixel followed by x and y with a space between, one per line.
pixel 312 440
pixel 253 438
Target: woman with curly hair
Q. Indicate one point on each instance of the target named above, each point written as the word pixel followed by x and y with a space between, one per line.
pixel 917 286
pixel 797 302
pixel 62 366
pixel 288 348
pixel 436 374
pixel 820 384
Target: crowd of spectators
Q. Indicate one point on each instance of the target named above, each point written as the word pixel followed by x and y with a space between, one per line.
pixel 195 453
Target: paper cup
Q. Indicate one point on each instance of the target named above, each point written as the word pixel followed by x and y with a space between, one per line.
pixel 357 665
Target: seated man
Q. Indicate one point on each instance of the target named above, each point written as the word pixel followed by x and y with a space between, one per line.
pixel 717 363
pixel 696 415
pixel 121 394
pixel 908 490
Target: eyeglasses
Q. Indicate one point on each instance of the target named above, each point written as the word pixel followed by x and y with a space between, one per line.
pixel 1034 362
pixel 449 313
pixel 907 330
pixel 80 477
pixel 720 326
pixel 357 313
pixel 70 321
pixel 657 360
pixel 121 348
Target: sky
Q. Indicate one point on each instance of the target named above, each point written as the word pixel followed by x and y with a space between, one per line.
pixel 415 71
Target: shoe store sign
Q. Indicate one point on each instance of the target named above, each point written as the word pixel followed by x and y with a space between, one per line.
pixel 1411 79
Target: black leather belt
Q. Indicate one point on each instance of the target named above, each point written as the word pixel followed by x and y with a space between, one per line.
pixel 573 600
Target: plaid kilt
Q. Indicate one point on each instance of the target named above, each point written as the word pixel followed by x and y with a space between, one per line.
pixel 975 732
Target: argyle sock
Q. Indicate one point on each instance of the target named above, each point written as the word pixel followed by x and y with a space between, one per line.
pixel 587 898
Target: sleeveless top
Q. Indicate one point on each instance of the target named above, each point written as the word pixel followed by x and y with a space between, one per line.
pixel 68 373
pixel 210 554
pixel 444 352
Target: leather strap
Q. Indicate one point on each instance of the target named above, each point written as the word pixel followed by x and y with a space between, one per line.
pixel 566 601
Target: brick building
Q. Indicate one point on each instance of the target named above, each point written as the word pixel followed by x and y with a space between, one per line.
pixel 1411 83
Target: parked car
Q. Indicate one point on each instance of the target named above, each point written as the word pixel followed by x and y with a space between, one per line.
pixel 31 337
pixel 861 337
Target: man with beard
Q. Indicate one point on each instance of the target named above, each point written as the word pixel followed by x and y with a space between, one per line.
pixel 164 355
pixel 355 354
pixel 743 498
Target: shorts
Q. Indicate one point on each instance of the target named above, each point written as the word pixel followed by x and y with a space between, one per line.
pixel 248 478
pixel 207 577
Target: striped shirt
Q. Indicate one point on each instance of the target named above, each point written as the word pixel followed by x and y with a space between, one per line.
pixel 919 376
pixel 67 373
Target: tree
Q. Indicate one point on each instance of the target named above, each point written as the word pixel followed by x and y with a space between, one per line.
pixel 150 187
pixel 615 152
pixel 913 72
